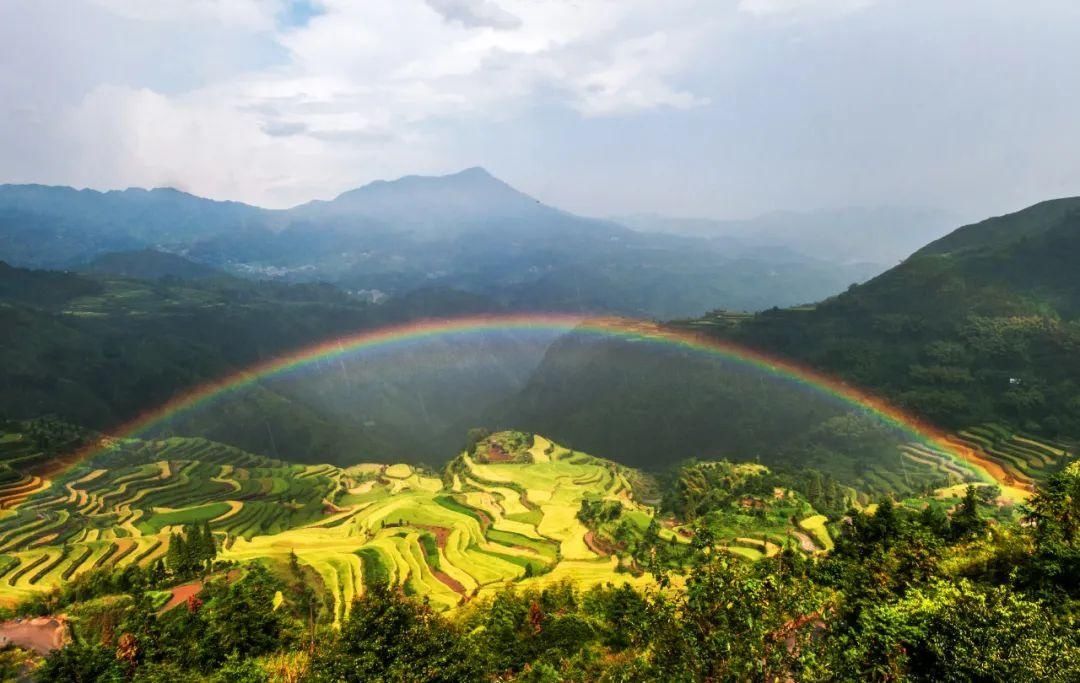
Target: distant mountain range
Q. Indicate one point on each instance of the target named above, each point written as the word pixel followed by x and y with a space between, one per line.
pixel 877 235
pixel 467 231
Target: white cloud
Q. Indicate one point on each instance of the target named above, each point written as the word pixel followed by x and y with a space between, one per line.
pixel 360 87
pixel 777 7
pixel 686 106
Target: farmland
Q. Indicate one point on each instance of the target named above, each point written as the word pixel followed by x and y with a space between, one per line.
pixel 513 508
pixel 448 537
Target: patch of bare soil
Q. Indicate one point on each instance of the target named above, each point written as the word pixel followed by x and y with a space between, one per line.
pixel 42 634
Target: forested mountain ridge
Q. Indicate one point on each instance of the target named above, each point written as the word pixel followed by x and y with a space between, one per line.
pixel 1003 230
pixel 982 325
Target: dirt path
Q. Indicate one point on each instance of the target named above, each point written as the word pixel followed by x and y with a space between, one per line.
pixel 450 581
pixel 805 542
pixel 181 593
pixel 42 635
pixel 598 546
pixel 440 533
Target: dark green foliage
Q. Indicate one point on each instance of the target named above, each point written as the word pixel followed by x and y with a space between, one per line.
pixel 475 436
pixel 80 664
pixel 1055 516
pixel 390 638
pixel 242 619
pixel 966 520
pixel 740 621
pixel 191 551
pixel 596 512
pixel 962 632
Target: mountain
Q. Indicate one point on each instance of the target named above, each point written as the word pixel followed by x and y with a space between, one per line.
pixel 979 331
pixel 874 235
pixel 981 325
pixel 44 226
pixel 445 207
pixel 468 231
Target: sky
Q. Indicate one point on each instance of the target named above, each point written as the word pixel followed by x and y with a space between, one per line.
pixel 711 108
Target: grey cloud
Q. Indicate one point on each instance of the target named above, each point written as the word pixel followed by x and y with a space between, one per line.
pixel 475 13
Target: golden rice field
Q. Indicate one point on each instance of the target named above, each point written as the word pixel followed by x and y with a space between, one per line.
pixel 508 514
pixel 449 538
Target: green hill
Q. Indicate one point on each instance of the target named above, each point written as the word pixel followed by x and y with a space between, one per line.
pixel 980 326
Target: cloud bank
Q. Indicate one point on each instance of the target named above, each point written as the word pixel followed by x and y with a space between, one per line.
pixel 603 106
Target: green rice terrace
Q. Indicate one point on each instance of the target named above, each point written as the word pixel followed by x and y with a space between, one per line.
pixel 516 508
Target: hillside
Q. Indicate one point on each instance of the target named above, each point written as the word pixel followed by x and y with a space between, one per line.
pixel 97 350
pixel 980 339
pixel 980 326
pixel 150 264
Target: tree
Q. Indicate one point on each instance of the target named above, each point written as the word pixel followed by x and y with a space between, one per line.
pixel 966 520
pixel 962 632
pixel 391 638
pixel 176 555
pixel 934 520
pixel 77 663
pixel 1054 515
pixel 737 621
pixel 242 618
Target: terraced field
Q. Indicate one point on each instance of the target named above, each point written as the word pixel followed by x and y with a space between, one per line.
pixel 1021 459
pixel 120 508
pixel 507 513
pixel 455 537
pixel 448 537
pixel 991 453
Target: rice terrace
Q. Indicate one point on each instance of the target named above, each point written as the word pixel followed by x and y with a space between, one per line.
pixel 516 509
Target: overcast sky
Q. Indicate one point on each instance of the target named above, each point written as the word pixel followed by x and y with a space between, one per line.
pixel 718 108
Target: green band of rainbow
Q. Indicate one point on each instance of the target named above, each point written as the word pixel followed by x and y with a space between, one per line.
pixel 610 327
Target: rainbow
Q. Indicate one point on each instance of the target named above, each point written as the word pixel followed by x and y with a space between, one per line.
pixel 610 327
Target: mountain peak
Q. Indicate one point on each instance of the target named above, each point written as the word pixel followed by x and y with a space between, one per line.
pixel 469 198
pixel 474 177
pixel 474 172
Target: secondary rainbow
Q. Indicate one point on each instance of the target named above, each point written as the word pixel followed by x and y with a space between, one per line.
pixel 624 328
